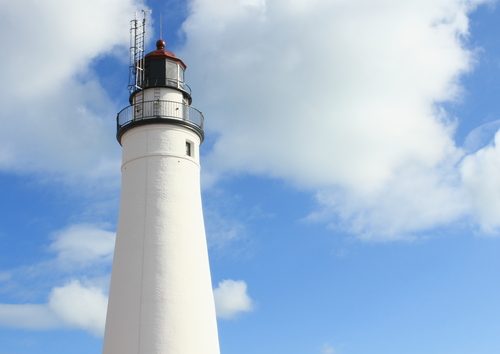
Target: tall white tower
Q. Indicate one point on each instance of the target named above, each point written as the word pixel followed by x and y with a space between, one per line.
pixel 161 299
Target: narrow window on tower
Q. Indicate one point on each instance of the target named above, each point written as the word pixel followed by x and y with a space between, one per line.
pixel 189 150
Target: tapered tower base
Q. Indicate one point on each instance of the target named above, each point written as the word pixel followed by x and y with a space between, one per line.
pixel 161 299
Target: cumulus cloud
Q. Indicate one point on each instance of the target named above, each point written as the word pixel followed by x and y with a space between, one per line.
pixel 71 306
pixel 83 306
pixel 340 97
pixel 56 116
pixel 79 306
pixel 231 299
pixel 81 302
pixel 415 199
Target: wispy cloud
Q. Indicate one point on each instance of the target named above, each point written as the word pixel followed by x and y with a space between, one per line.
pixel 83 245
pixel 480 176
pixel 327 349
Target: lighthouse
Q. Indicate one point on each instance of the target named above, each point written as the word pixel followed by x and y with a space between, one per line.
pixel 160 299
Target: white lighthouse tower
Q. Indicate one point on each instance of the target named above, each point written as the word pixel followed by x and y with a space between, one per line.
pixel 161 299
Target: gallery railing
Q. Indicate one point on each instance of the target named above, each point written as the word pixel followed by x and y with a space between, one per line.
pixel 159 109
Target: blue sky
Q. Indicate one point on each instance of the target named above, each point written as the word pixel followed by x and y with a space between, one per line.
pixel 351 170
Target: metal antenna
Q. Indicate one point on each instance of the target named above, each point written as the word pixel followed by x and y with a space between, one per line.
pixel 137 33
pixel 161 26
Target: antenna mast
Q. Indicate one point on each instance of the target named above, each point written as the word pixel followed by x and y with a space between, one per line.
pixel 161 26
pixel 136 69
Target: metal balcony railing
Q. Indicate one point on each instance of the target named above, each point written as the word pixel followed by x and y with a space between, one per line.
pixel 159 109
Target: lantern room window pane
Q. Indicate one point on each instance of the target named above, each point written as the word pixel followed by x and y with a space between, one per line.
pixel 181 74
pixel 171 70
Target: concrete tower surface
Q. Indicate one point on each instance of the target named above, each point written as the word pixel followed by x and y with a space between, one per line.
pixel 161 299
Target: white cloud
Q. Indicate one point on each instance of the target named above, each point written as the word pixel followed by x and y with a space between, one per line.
pixel 79 306
pixel 56 117
pixel 83 306
pixel 340 97
pixel 417 198
pixel 83 245
pixel 81 250
pixel 480 174
pixel 71 306
pixel 231 299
